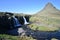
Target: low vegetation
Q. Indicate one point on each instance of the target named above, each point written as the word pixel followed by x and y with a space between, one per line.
pixel 9 37
pixel 42 28
pixel 45 23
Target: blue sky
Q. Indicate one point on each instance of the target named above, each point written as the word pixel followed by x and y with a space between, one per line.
pixel 25 6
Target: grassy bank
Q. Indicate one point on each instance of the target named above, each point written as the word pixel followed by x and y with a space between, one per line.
pixel 9 37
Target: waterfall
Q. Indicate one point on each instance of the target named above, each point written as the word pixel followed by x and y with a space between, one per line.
pixel 16 22
pixel 25 21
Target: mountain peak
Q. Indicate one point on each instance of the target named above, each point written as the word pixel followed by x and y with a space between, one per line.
pixel 49 6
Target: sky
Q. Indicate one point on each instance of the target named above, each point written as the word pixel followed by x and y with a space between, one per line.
pixel 26 6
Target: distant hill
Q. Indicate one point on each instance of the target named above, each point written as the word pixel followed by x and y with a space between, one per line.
pixel 2 13
pixel 49 16
pixel 16 14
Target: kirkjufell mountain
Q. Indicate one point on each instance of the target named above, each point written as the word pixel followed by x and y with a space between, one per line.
pixel 48 9
pixel 49 16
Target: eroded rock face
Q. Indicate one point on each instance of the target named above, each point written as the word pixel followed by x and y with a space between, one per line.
pixel 16 31
pixel 4 24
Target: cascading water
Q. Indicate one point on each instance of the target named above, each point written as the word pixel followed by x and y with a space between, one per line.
pixel 16 22
pixel 25 21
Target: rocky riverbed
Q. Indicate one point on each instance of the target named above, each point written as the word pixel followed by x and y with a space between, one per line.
pixel 36 34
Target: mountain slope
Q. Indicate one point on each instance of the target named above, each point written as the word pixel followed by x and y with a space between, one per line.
pixel 48 17
pixel 48 9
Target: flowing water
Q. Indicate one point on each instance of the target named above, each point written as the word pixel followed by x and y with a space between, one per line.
pixel 25 21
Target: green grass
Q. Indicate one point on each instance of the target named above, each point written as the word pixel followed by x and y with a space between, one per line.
pixel 9 37
pixel 42 28
pixel 54 39
pixel 50 23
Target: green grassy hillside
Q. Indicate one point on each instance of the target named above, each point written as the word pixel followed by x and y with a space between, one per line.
pixel 47 19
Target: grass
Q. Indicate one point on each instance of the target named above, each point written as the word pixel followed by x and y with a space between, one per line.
pixel 42 28
pixel 54 39
pixel 50 23
pixel 9 37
